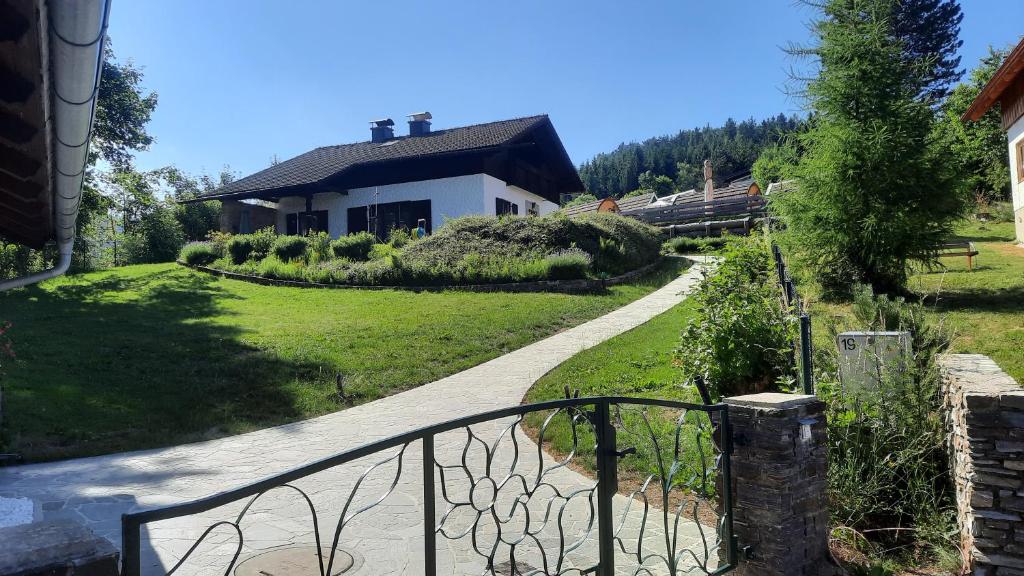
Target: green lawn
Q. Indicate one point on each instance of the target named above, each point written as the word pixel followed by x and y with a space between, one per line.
pixel 153 355
pixel 637 363
pixel 985 308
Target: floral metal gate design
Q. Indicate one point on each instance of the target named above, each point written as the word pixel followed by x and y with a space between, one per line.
pixel 607 485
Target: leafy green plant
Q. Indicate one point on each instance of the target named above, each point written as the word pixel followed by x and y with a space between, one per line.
pixel 318 247
pixel 354 246
pixel 256 246
pixel 740 340
pixel 567 265
pixel 686 245
pixel 273 267
pixel 198 253
pixel 288 248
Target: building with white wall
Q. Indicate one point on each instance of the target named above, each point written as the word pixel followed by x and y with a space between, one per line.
pixel 516 167
pixel 1006 88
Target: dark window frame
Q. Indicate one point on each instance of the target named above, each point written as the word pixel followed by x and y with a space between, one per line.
pixel 504 207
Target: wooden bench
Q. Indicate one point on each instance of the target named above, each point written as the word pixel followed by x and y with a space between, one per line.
pixel 960 249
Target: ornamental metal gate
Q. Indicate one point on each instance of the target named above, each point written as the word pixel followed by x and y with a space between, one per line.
pixel 606 485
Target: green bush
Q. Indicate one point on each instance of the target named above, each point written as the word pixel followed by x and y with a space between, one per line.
pixel 471 250
pixel 256 246
pixel 158 237
pixel 617 244
pixel 686 245
pixel 198 253
pixel 888 466
pixel 567 265
pixel 739 341
pixel 273 267
pixel 354 246
pixel 318 247
pixel 290 247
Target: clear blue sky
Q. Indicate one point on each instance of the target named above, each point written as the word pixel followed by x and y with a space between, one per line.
pixel 241 81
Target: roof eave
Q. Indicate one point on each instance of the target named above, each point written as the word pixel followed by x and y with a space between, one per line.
pixel 994 88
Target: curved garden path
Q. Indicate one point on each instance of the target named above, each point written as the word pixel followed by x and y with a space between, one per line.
pixel 97 490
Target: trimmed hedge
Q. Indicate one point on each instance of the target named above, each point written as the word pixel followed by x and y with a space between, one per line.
pixel 290 247
pixel 354 246
pixel 251 246
pixel 199 253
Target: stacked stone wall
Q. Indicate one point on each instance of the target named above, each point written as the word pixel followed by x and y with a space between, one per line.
pixel 984 410
pixel 779 468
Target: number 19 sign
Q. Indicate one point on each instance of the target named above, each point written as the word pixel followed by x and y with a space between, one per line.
pixel 864 357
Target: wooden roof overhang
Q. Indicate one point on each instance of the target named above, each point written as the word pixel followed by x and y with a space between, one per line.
pixel 536 162
pixel 26 207
pixel 1005 87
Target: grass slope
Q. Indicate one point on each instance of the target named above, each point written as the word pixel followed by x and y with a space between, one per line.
pixel 985 307
pixel 636 363
pixel 153 355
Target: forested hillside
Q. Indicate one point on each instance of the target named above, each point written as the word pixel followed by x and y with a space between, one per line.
pixel 732 149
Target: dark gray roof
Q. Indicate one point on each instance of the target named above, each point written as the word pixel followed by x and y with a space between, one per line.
pixel 327 161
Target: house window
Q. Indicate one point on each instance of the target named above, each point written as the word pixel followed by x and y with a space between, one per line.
pixel 503 207
pixel 304 222
pixel 381 219
pixel 532 208
pixel 1020 160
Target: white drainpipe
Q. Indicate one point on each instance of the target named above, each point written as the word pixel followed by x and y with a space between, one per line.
pixel 76 30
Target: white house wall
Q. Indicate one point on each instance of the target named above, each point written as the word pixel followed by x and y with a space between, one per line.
pixel 495 188
pixel 1015 135
pixel 449 198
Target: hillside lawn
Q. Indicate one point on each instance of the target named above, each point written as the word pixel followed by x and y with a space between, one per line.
pixel 984 307
pixel 155 355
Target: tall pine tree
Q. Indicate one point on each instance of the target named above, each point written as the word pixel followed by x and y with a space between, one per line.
pixel 876 191
pixel 930 32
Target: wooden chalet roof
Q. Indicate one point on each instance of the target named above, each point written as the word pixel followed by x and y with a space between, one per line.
pixel 734 189
pixel 26 202
pixel 621 204
pixel 1007 83
pixel 336 166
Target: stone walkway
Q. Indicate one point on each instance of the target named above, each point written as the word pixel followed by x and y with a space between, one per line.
pixel 388 538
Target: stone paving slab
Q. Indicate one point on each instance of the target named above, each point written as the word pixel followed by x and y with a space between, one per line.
pixel 386 539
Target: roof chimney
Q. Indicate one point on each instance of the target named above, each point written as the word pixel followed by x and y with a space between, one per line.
pixel 419 123
pixel 709 183
pixel 382 130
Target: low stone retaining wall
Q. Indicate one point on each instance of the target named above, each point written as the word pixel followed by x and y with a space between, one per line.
pixel 985 423
pixel 567 286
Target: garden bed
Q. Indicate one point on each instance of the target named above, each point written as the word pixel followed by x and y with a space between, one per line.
pixel 480 253
pixel 564 286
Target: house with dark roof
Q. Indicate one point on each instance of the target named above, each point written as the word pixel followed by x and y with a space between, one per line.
pixel 516 167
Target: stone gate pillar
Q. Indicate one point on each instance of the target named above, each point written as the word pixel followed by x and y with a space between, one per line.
pixel 779 465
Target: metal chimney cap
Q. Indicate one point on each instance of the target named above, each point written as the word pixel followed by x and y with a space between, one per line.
pixel 420 116
pixel 383 122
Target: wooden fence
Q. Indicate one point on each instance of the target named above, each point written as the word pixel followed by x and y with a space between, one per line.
pixel 735 208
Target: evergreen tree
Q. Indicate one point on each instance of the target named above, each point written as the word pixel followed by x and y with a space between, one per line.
pixel 876 191
pixel 731 148
pixel 930 32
